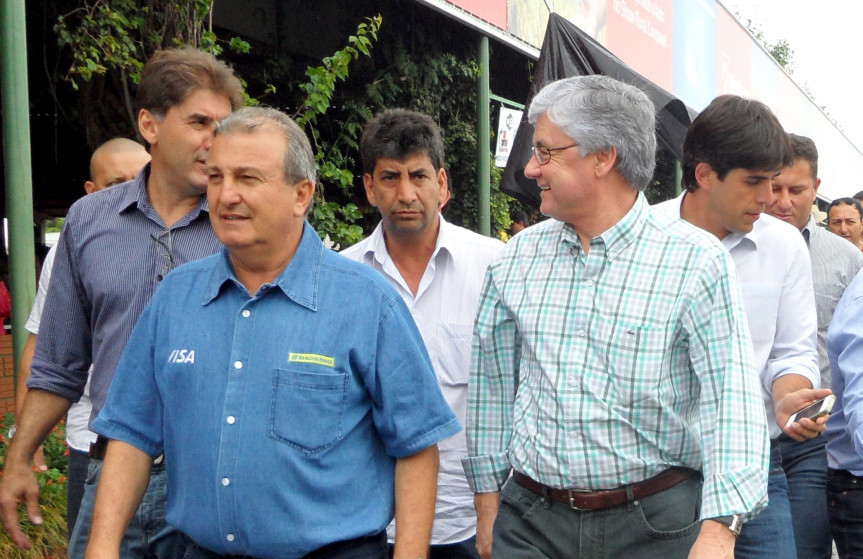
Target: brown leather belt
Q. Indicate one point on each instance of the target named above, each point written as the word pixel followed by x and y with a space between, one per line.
pixel 580 499
pixel 98 449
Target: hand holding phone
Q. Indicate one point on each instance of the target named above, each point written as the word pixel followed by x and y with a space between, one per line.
pixel 818 408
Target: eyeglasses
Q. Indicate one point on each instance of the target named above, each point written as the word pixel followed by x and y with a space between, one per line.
pixel 543 154
pixel 166 250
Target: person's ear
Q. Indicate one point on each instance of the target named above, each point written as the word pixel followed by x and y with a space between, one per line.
pixel 444 193
pixel 704 175
pixel 369 183
pixel 604 161
pixel 305 192
pixel 148 125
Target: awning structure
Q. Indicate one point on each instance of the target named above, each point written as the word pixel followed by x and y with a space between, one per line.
pixel 567 51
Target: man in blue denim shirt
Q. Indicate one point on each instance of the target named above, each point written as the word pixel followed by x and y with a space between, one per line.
pixel 287 387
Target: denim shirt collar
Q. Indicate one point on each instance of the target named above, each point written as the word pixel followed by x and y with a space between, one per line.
pixel 298 281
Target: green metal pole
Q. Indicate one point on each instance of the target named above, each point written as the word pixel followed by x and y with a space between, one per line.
pixel 483 142
pixel 16 153
pixel 678 178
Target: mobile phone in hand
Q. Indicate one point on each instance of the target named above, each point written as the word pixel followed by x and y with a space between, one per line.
pixel 813 411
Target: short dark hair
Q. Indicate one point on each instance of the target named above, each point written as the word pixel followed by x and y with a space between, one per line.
pixel 858 196
pixel 845 202
pixel 734 133
pixel 518 216
pixel 804 148
pixel 399 133
pixel 173 74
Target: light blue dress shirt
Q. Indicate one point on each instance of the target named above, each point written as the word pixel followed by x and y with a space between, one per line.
pixel 845 348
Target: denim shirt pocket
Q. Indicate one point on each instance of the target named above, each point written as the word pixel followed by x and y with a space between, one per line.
pixel 308 409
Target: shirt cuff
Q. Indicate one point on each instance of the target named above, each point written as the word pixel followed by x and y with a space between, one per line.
pixel 487 473
pixel 743 492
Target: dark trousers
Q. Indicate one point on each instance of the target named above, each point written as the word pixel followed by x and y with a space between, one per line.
pixel 78 464
pixel 459 550
pixel 664 525
pixel 369 547
pixel 845 506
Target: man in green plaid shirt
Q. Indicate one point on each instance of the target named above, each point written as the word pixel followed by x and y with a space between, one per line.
pixel 612 371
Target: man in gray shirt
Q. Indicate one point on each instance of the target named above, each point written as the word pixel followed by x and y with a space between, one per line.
pixel 835 262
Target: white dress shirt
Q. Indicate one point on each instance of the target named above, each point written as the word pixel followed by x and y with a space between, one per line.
pixel 775 275
pixel 444 309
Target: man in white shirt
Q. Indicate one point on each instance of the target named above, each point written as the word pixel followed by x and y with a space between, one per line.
pixel 732 151
pixel 438 268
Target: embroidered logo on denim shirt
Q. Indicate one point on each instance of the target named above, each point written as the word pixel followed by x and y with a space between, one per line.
pixel 312 358
pixel 182 356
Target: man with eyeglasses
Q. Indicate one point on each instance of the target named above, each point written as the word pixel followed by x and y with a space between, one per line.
pixel 612 372
pixel 732 152
pixel 115 249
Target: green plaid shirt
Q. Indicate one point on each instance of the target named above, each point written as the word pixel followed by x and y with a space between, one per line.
pixel 602 369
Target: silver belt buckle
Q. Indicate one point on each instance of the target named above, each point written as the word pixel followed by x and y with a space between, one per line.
pixel 572 501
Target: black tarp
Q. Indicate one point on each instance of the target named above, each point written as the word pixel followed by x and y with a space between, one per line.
pixel 568 51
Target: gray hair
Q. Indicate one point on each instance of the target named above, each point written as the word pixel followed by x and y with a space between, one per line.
pixel 299 160
pixel 599 113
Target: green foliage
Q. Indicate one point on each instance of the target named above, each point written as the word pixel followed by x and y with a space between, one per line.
pixel 422 72
pixel 431 72
pixel 322 79
pixel 118 35
pixel 333 220
pixel 49 539
pixel 112 39
pixel 781 50
pixel 54 225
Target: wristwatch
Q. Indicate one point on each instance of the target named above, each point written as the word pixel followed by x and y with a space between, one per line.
pixel 734 523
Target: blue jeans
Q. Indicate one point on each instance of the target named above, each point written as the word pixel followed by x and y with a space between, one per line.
pixel 771 533
pixel 845 506
pixel 664 525
pixel 148 535
pixel 805 467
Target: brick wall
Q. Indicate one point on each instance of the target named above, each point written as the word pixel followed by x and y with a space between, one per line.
pixel 7 376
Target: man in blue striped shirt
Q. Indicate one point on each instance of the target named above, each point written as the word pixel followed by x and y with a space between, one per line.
pixel 612 369
pixel 116 247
